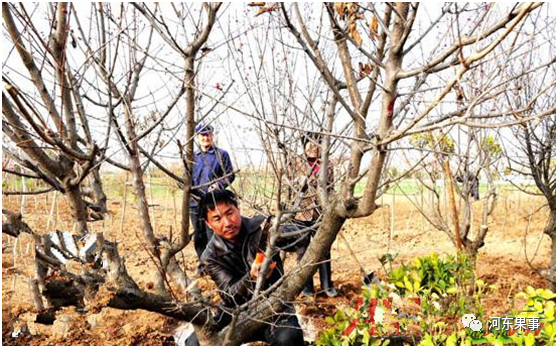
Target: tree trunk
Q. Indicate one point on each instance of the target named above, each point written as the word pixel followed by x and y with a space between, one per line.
pixel 97 186
pixel 143 206
pixel 550 230
pixel 293 283
pixel 78 208
pixel 189 78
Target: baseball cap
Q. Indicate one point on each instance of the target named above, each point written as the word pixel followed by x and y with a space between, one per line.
pixel 203 128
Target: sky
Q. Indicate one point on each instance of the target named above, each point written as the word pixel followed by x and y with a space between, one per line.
pixel 263 79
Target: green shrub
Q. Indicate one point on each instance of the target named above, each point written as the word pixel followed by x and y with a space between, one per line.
pixel 541 303
pixel 407 309
pixel 432 275
pixel 447 283
pixel 371 319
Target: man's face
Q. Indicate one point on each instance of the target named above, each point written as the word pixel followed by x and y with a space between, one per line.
pixel 225 221
pixel 205 140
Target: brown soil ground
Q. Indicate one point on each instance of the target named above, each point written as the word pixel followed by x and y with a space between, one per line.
pixel 515 236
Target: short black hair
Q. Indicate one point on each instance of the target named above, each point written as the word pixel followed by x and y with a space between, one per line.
pixel 310 137
pixel 212 198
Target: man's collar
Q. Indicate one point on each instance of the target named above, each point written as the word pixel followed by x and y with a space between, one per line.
pixel 220 246
pixel 210 150
pixel 249 226
pixel 252 224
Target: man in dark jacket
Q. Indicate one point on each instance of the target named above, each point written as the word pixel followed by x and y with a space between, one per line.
pixel 473 183
pixel 212 170
pixel 231 260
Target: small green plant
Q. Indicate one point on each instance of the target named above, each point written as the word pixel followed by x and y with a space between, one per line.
pixel 407 309
pixel 491 145
pixel 541 304
pixel 372 319
pixel 432 274
pixel 387 258
pixel 447 283
pixel 429 140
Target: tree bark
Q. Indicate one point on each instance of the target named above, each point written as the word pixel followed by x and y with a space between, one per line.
pixel 550 230
pixel 78 208
pixel 294 281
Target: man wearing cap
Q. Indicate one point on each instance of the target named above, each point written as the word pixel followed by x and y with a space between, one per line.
pixel 212 170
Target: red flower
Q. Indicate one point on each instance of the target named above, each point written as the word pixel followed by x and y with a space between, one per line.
pixel 359 302
pixel 350 328
pixel 511 332
pixel 372 310
pixel 396 326
pixel 387 303
pixel 537 331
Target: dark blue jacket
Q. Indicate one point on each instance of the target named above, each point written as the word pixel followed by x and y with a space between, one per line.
pixel 209 166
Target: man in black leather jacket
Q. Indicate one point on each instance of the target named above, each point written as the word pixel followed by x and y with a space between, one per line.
pixel 230 260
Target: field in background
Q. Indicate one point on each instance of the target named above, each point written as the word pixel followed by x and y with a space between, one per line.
pixel 254 184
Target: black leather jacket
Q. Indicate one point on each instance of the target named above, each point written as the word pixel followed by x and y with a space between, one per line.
pixel 229 264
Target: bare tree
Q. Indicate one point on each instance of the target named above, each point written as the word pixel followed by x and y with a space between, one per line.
pixel 532 152
pixel 360 73
pixel 44 114
pixel 189 53
pixel 366 93
pixel 477 157
pixel 538 141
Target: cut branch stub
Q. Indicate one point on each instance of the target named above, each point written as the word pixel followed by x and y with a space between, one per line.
pixel 12 223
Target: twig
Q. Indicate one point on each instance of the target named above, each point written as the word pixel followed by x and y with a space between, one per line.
pixel 51 212
pixel 527 229
pixel 391 219
pixel 123 206
pixel 26 193
pixel 362 270
pixel 23 198
pixel 452 204
pixel 231 330
pixel 152 210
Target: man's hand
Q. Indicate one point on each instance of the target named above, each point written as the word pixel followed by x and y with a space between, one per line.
pixel 256 266
pixel 302 180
